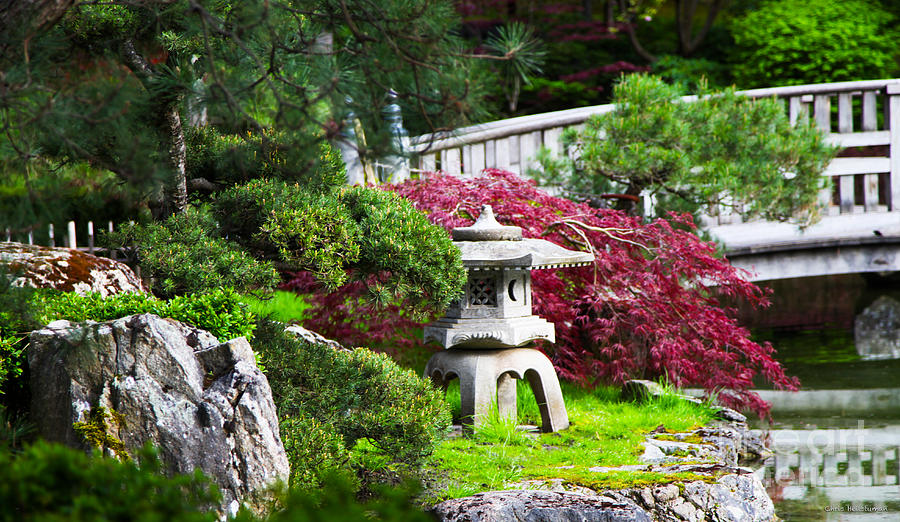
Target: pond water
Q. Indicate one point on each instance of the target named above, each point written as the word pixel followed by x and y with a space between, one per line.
pixel 836 442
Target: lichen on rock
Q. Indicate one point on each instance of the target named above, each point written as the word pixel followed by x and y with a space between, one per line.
pixel 66 269
pixel 202 404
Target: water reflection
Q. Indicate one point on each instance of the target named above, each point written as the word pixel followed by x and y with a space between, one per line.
pixel 835 474
pixel 837 441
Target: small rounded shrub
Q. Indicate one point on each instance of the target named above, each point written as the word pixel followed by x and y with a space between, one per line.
pixel 795 42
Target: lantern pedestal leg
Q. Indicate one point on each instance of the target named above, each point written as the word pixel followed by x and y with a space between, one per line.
pixel 486 379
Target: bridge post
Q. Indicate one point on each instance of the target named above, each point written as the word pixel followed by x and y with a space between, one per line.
pixel 892 122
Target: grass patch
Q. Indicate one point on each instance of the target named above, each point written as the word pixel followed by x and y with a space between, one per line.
pixel 604 431
pixel 279 306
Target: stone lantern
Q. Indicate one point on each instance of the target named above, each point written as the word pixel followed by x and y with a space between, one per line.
pixel 486 331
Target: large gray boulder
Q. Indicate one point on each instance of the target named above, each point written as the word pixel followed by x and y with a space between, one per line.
pixel 202 404
pixel 876 330
pixel 67 269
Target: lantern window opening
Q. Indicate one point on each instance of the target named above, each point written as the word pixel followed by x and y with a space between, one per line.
pixel 483 291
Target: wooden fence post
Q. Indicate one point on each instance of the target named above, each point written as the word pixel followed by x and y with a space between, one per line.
pixel 892 121
pixel 90 231
pixel 73 243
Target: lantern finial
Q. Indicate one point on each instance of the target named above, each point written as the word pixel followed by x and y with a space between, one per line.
pixel 486 228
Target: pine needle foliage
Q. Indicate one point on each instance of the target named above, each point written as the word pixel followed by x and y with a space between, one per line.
pixel 721 150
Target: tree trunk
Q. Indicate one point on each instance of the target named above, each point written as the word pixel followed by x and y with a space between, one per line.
pixel 630 205
pixel 631 28
pixel 174 193
pixel 685 11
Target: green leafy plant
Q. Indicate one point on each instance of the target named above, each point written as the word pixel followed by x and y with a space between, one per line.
pixel 220 312
pixel 722 150
pixel 358 394
pixel 337 499
pixel 793 42
pixel 17 317
pixel 13 431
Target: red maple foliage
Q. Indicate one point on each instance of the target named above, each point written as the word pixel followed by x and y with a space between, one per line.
pixel 649 307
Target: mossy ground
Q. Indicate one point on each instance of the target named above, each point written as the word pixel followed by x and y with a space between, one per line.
pixel 604 431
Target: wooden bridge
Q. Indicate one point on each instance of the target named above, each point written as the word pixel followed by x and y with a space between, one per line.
pixel 860 231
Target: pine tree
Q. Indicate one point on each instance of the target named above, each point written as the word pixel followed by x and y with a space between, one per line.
pixel 116 84
pixel 202 105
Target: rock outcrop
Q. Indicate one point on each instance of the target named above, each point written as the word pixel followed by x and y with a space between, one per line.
pixel 876 330
pixel 313 337
pixel 67 269
pixel 539 506
pixel 202 404
pixel 732 494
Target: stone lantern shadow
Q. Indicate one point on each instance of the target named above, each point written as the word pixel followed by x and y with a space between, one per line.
pixel 486 332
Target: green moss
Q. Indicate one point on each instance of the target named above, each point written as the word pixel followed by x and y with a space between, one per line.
pixel 636 479
pixel 96 431
pixel 690 439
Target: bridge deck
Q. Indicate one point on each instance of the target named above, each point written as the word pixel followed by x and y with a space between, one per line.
pixel 844 229
pixel 844 244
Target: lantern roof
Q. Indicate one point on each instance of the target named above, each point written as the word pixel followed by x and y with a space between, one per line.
pixel 488 245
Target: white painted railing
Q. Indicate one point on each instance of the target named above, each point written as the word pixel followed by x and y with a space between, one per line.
pixel 869 183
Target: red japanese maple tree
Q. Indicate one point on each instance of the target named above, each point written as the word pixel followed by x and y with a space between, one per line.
pixel 649 307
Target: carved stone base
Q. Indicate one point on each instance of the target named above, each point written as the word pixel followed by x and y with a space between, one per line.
pixel 489 333
pixel 487 377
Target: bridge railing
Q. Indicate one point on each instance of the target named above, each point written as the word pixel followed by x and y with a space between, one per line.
pixel 866 124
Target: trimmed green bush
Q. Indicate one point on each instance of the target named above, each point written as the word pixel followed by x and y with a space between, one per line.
pixel 50 482
pixel 358 394
pixel 308 230
pixel 397 239
pixel 185 254
pixel 795 42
